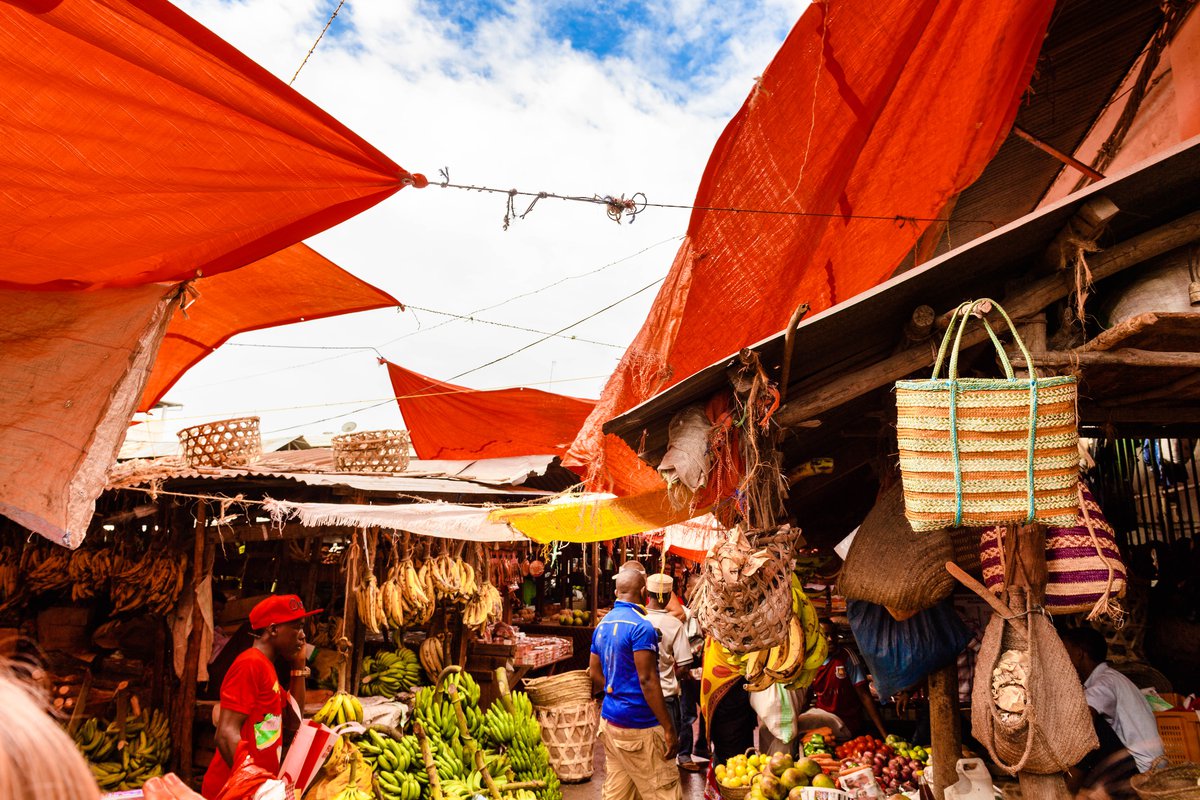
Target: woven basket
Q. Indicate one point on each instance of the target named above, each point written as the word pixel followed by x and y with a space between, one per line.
pixel 744 597
pixel 569 732
pixel 224 443
pixel 984 451
pixel 1170 783
pixel 885 537
pixel 567 689
pixel 371 451
pixel 734 792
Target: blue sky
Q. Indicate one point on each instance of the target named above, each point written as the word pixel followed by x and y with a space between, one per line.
pixel 555 95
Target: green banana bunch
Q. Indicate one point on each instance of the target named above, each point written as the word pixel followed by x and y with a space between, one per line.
pixel 123 761
pixel 387 673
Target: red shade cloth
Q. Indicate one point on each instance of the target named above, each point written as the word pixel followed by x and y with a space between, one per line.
pixel 292 285
pixel 906 103
pixel 141 147
pixel 74 364
pixel 448 421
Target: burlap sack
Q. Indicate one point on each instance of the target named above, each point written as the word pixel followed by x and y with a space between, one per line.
pixel 915 577
pixel 1055 731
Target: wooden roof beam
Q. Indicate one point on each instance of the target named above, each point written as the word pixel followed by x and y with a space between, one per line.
pixel 814 401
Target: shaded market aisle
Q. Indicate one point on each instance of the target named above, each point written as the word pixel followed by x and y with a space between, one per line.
pixel 692 782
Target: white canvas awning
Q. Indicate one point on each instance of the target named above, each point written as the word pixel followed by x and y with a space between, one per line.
pixel 442 520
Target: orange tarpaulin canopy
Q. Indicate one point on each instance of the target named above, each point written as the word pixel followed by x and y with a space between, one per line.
pixel 448 421
pixel 292 285
pixel 869 119
pixel 141 147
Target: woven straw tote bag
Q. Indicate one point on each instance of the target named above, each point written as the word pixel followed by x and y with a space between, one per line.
pixel 977 452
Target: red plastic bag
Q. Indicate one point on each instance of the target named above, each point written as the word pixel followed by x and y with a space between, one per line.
pixel 245 781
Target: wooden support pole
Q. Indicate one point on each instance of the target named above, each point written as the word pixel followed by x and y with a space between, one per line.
pixel 185 709
pixel 1037 295
pixel 1125 357
pixel 594 589
pixel 920 326
pixel 945 725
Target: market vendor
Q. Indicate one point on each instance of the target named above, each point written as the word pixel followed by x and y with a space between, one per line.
pixel 636 728
pixel 1113 696
pixel 253 704
pixel 841 687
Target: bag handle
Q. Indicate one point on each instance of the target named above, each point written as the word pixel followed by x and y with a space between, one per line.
pixel 1030 725
pixel 958 324
pixel 1105 605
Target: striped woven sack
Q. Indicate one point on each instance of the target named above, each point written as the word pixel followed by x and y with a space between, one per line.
pixel 976 452
pixel 1084 567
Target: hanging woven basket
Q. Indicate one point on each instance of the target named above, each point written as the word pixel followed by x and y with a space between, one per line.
pixel 371 451
pixel 745 593
pixel 225 443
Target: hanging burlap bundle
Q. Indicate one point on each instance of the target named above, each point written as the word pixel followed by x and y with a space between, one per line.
pixel 891 565
pixel 1027 704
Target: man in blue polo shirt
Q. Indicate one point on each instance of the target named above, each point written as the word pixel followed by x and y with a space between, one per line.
pixel 637 731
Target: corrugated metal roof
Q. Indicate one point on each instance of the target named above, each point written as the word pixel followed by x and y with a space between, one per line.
pixel 1091 45
pixel 315 467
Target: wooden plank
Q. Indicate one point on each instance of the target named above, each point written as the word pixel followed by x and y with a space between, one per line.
pixel 1054 152
pixel 186 708
pixel 945 727
pixel 1127 357
pixel 814 400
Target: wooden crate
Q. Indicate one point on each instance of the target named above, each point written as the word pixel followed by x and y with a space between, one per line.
pixel 63 628
pixel 1180 733
pixel 483 657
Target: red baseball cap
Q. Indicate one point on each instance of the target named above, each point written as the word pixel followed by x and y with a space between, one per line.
pixel 278 609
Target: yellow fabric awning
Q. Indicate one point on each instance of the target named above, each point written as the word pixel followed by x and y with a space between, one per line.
pixel 596 519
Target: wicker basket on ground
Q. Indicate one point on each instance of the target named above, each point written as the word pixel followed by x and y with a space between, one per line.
pixel 1170 783
pixel 371 451
pixel 567 689
pixel 735 792
pixel 569 732
pixel 224 443
pixel 745 593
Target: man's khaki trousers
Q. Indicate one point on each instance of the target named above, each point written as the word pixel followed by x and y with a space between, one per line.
pixel 635 765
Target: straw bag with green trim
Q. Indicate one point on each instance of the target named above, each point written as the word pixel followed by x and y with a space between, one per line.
pixel 978 452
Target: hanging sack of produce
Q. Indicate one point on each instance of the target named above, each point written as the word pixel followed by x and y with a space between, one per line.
pixel 983 451
pixel 885 537
pixel 1083 564
pixel 744 596
pixel 899 654
pixel 1027 704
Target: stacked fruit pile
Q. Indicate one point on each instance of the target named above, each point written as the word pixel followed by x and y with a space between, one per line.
pixel 124 756
pixel 895 762
pixel 794 662
pixel 774 777
pixel 467 750
pixel 387 673
pixel 819 746
pixel 575 617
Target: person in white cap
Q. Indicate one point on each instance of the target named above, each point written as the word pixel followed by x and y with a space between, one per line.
pixel 674 659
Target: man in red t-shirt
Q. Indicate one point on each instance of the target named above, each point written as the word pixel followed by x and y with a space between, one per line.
pixel 253 704
pixel 840 687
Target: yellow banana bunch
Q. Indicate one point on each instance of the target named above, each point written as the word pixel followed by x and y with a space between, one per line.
pixel 430 654
pixel 447 580
pixel 416 598
pixel 152 583
pixel 795 660
pixel 393 604
pixel 45 567
pixel 366 597
pixel 339 709
pixel 488 606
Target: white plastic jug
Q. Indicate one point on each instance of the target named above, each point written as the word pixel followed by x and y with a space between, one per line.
pixel 974 781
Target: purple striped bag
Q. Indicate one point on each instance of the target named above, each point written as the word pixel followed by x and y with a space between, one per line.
pixel 1083 563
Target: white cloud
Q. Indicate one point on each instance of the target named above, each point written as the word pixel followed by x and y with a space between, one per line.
pixel 506 105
